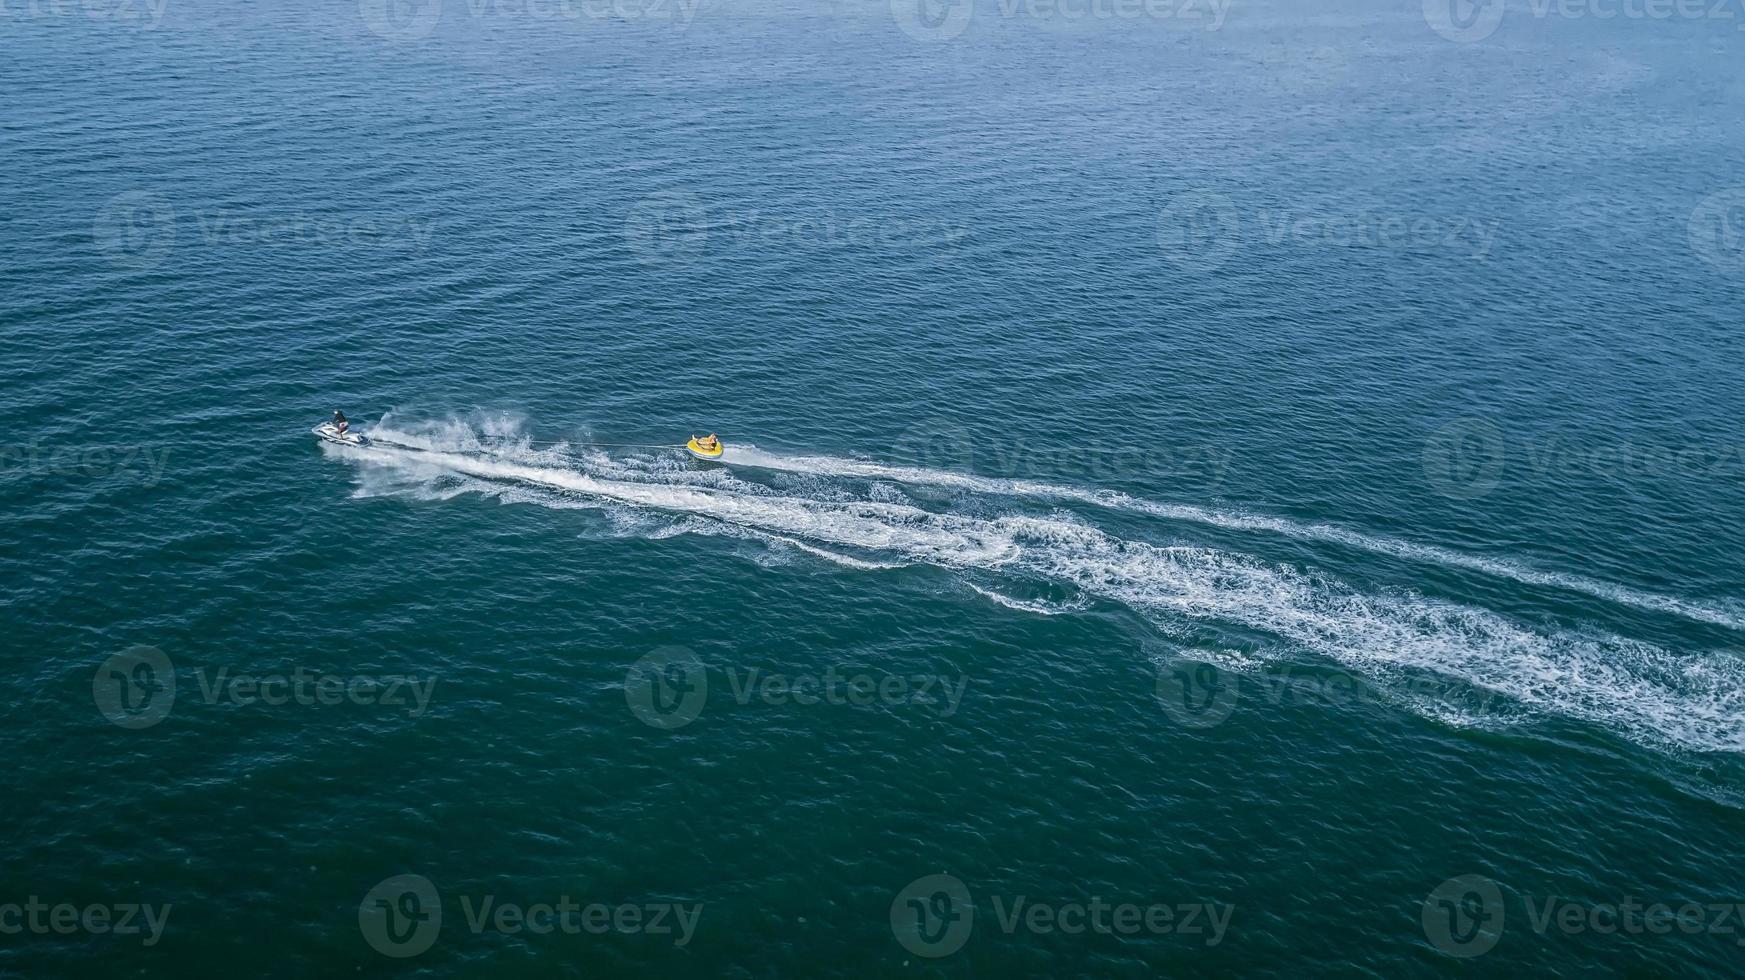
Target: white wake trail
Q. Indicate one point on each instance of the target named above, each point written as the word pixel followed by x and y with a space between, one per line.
pixel 1693 700
pixel 750 455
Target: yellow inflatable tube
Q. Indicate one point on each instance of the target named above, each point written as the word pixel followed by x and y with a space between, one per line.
pixel 712 453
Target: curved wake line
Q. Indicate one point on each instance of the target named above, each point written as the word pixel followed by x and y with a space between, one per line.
pixel 1025 605
pixel 1692 700
pixel 750 455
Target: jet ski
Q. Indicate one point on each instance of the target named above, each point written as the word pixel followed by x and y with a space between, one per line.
pixel 328 432
pixel 708 451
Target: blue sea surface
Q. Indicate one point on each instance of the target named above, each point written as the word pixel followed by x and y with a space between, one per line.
pixel 1217 487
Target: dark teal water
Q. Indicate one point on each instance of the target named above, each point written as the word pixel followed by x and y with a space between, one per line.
pixel 1278 465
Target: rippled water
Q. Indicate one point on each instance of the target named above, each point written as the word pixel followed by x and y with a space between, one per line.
pixel 1277 465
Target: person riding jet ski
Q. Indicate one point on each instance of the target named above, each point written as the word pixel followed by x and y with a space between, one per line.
pixel 339 421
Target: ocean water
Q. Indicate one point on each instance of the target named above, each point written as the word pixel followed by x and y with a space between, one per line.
pixel 1276 464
